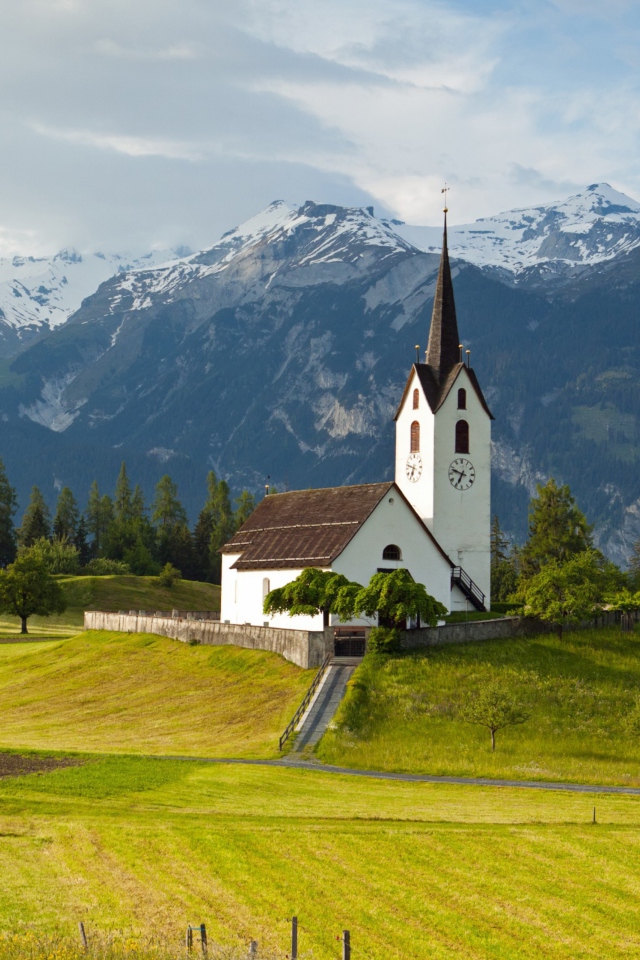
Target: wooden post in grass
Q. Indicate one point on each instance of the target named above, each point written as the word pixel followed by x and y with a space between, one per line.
pixel 253 948
pixel 83 935
pixel 594 814
pixel 189 939
pixel 346 945
pixel 203 938
pixel 294 938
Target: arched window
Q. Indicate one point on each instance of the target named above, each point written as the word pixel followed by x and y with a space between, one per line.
pixel 415 437
pixel 462 399
pixel 266 587
pixel 462 436
pixel 416 399
pixel 391 552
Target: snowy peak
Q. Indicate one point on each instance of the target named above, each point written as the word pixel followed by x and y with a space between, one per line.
pixel 595 225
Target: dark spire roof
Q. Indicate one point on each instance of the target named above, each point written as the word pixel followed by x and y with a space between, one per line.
pixel 443 351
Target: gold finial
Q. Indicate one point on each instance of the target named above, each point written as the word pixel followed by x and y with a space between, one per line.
pixel 445 190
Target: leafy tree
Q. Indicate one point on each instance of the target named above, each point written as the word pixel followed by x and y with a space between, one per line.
pixel 395 597
pixel 8 507
pixel 27 588
pixel 565 594
pixel 493 708
pixel 634 566
pixel 99 518
pixel 504 576
pixel 558 529
pixel 65 522
pixel 102 567
pixel 624 601
pixel 384 640
pixel 246 505
pixel 36 522
pixel 168 576
pixel 58 556
pixel 313 591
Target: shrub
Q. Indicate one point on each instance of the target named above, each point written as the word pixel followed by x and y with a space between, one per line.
pixel 169 575
pixel 58 556
pixel 101 567
pixel 384 640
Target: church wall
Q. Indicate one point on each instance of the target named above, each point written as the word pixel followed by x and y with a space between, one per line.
pixel 420 493
pixel 394 523
pixel 462 519
pixel 243 593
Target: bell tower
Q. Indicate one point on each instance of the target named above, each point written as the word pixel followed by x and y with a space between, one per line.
pixel 443 445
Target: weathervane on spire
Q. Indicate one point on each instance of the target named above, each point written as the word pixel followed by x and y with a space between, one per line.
pixel 445 190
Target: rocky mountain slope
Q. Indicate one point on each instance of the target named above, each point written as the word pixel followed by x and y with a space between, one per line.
pixel 41 293
pixel 281 352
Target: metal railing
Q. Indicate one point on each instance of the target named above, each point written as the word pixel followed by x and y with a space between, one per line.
pixel 307 700
pixel 461 579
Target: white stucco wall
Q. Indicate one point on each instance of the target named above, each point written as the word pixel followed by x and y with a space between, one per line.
pixel 420 493
pixel 462 518
pixel 394 523
pixel 243 593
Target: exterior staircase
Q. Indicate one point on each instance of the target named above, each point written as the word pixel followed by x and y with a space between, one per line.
pixel 473 593
pixel 319 709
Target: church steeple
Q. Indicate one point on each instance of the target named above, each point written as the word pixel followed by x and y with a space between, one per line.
pixel 443 351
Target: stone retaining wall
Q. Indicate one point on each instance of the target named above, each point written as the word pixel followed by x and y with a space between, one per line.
pixel 306 648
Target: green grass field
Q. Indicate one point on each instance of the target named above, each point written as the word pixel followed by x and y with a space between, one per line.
pixel 401 713
pixel 120 593
pixel 138 693
pixel 413 870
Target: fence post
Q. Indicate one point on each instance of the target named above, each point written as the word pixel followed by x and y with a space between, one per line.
pixel 189 939
pixel 294 938
pixel 203 938
pixel 83 936
pixel 253 948
pixel 346 945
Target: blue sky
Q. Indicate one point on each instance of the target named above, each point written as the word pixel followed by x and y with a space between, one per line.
pixel 128 125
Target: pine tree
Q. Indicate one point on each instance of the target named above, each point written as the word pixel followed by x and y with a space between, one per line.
pixel 504 577
pixel 8 507
pixel 65 522
pixel 80 542
pixel 122 507
pixel 36 522
pixel 246 505
pixel 137 503
pixel 99 518
pixel 202 533
pixel 167 510
pixel 223 527
pixel 558 530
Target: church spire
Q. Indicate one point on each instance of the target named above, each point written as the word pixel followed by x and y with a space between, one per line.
pixel 443 351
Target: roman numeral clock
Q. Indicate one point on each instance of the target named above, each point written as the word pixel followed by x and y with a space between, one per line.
pixel 462 473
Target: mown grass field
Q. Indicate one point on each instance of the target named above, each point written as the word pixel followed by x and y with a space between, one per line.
pixel 138 693
pixel 413 870
pixel 402 713
pixel 122 593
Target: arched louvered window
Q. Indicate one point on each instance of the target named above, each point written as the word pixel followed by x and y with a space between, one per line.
pixel 462 436
pixel 415 437
pixel 416 399
pixel 462 399
pixel 391 552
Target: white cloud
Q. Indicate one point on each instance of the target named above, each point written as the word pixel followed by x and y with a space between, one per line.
pixel 130 146
pixel 179 51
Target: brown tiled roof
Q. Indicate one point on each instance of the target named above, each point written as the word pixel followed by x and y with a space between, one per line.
pixel 304 528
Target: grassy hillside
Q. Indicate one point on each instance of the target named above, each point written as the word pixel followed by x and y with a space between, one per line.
pixel 139 693
pixel 128 593
pixel 402 713
pixel 413 870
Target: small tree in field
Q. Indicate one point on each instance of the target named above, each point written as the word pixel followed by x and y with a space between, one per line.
pixel 27 587
pixel 396 597
pixel 565 594
pixel 168 576
pixel 495 709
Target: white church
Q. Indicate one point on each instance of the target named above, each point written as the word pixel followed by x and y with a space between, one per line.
pixel 433 519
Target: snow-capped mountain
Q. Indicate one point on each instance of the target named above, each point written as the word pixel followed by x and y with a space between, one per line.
pixel 565 236
pixel 41 293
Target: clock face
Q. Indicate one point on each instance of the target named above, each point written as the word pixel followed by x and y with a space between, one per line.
pixel 461 474
pixel 414 467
